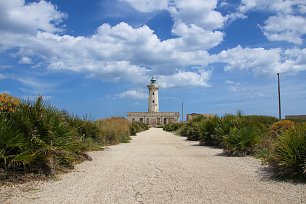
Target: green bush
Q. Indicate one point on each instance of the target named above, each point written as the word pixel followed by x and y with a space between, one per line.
pixel 191 131
pixel 241 141
pixel 227 122
pixel 36 137
pixel 208 131
pixel 289 156
pixel 241 134
pixel 171 127
pixel 137 127
pixel 264 120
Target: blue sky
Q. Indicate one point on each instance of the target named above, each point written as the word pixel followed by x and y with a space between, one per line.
pixel 96 57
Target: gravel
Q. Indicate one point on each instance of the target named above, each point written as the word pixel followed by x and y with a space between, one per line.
pixel 159 167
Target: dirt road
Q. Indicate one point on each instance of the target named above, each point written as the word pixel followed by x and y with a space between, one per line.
pixel 159 167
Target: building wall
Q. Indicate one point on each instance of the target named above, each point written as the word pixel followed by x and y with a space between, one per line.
pixel 154 119
pixel 298 117
pixel 194 115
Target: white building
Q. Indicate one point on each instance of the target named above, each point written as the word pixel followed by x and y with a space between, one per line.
pixel 153 117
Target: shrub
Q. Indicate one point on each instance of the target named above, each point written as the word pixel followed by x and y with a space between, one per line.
pixel 280 127
pixel 191 131
pixel 264 120
pixel 36 137
pixel 114 130
pixel 240 134
pixel 227 122
pixel 8 103
pixel 137 127
pixel 173 127
pixel 240 141
pixel 289 156
pixel 208 134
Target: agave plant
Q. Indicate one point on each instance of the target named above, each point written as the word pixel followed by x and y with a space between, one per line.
pixel 241 141
pixel 289 156
pixel 33 137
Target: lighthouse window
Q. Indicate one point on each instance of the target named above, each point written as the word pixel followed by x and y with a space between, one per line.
pixel 153 101
pixel 153 93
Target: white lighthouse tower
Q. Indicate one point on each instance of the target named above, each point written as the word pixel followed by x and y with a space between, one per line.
pixel 153 117
pixel 153 97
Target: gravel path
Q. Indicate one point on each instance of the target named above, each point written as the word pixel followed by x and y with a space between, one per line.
pixel 159 167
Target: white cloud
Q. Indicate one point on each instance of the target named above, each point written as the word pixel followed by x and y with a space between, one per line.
pixel 121 52
pixel 282 6
pixel 25 60
pixel 197 12
pixel 148 5
pixel 285 28
pixel 16 16
pixel 117 53
pixel 2 76
pixel 138 94
pixel 288 23
pixel 185 78
pixel 194 37
pixel 257 59
pixel 260 60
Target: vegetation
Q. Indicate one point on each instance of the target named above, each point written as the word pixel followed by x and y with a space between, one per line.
pixel 280 127
pixel 136 127
pixel 39 138
pixel 289 155
pixel 113 130
pixel 173 127
pixel 281 144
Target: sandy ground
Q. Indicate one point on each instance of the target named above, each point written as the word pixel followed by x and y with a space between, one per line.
pixel 159 167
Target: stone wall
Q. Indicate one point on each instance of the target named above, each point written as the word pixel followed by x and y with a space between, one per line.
pixel 154 119
pixel 194 115
pixel 298 117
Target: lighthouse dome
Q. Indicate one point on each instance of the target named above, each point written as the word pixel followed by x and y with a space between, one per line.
pixel 153 80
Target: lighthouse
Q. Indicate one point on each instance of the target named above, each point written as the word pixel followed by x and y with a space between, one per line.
pixel 153 117
pixel 153 106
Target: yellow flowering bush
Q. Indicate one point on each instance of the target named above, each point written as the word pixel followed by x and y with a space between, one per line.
pixel 280 127
pixel 8 103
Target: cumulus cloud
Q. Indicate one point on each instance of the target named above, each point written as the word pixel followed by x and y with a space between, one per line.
pixel 185 78
pixel 282 6
pixel 285 28
pixel 260 60
pixel 198 12
pixel 114 53
pixel 133 94
pixel 122 52
pixel 286 25
pixel 16 16
pixel 257 59
pixel 25 60
pixel 148 5
pixel 194 37
pixel 195 20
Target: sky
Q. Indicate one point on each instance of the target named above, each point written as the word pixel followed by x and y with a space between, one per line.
pixel 96 57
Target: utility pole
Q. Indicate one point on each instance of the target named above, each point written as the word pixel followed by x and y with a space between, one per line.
pixel 279 99
pixel 182 111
